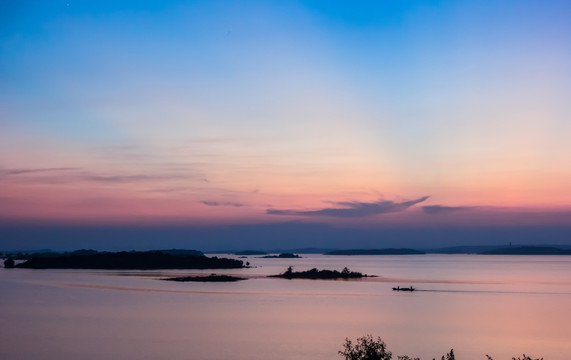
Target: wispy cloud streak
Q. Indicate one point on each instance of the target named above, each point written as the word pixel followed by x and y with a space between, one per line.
pixel 65 175
pixel 8 172
pixel 353 209
pixel 216 203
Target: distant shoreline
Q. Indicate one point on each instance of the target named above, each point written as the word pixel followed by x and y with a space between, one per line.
pixel 194 259
pixel 528 250
pixel 376 252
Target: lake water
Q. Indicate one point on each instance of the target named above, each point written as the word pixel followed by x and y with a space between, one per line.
pixel 497 305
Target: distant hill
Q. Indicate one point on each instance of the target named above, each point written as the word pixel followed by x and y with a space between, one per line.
pixel 474 249
pixel 272 251
pixel 51 254
pixel 376 252
pixel 250 252
pixel 181 252
pixel 26 256
pixel 148 260
pixel 528 250
pixel 14 252
pixel 303 251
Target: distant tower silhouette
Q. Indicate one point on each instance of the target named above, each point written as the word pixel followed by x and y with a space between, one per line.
pixel 510 244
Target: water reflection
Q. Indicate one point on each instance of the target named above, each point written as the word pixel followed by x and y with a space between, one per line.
pixel 502 306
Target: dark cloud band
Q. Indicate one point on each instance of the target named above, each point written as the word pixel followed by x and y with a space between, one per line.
pixel 441 209
pixel 353 209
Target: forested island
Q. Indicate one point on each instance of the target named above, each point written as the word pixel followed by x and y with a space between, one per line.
pixel 315 274
pixel 282 256
pixel 209 278
pixel 376 252
pixel 133 260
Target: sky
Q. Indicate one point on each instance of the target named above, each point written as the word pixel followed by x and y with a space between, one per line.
pixel 363 118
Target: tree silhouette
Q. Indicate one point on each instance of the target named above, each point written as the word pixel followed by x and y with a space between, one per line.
pixel 449 356
pixel 366 348
pixel 9 263
pixel 525 357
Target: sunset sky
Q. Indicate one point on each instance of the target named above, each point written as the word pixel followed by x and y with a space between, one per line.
pixel 351 115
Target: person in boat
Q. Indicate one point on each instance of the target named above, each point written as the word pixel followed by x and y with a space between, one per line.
pixel 398 288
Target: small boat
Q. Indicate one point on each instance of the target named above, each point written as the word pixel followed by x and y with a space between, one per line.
pixel 398 288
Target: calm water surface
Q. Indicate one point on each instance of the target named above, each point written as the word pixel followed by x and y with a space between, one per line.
pixel 497 305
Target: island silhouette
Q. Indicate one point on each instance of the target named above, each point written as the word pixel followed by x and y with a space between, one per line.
pixel 209 278
pixel 315 274
pixel 133 260
pixel 282 256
